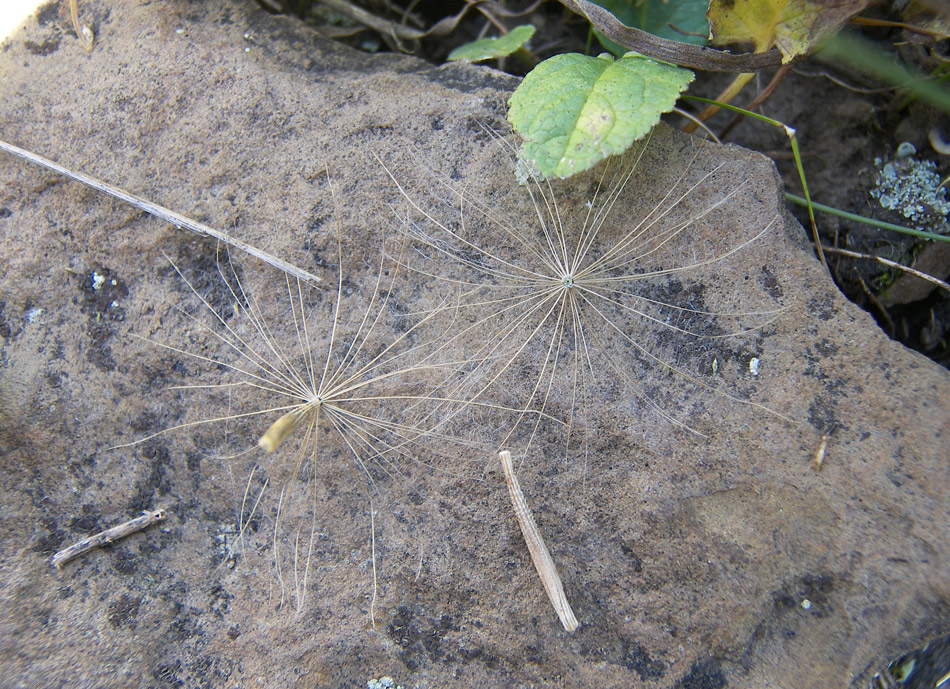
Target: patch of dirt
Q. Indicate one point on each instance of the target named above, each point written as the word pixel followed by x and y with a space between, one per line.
pixel 847 136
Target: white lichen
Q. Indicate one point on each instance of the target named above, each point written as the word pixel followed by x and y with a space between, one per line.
pixel 912 188
pixel 383 683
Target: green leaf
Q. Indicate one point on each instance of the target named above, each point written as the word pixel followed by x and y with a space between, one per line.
pixel 573 110
pixel 678 20
pixel 489 48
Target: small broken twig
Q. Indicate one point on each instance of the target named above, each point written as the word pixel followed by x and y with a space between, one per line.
pixel 108 537
pixel 890 264
pixel 539 551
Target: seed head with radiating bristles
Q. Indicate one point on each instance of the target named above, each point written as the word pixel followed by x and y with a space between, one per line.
pixel 329 376
pixel 590 297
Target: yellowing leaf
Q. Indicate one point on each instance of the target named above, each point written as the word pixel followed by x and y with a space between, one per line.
pixel 793 26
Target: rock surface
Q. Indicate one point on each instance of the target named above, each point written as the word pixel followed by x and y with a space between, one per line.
pixel 712 560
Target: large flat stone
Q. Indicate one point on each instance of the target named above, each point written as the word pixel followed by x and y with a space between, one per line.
pixel 688 553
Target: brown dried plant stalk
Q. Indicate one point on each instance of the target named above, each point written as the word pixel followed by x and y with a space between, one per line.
pixel 540 555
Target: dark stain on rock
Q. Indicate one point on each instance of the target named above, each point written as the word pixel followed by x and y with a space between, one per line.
pixel 102 291
pixel 124 562
pixel 47 13
pixel 463 78
pixel 629 654
pixel 156 482
pixel 186 624
pixel 404 633
pixel 198 671
pixel 122 611
pixel 89 521
pixel 317 218
pixel 52 540
pixel 166 674
pixel 821 412
pixel 193 462
pixel 822 308
pixel 8 330
pixel 49 46
pixel 156 540
pixel 480 128
pixel 635 561
pixel 421 641
pixel 212 275
pixel 809 596
pixel 83 470
pixel 770 284
pixel 400 317
pixel 813 366
pixel 220 600
pixel 637 659
pixel 144 421
pixel 674 292
pixel 704 674
pixel 100 354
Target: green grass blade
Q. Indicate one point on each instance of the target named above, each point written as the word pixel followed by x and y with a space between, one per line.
pixel 868 221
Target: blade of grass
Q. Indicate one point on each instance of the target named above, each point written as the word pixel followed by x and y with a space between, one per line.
pixel 869 59
pixel 790 133
pixel 867 221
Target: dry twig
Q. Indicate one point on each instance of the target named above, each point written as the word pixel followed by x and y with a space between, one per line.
pixel 108 537
pixel 539 551
pixel 890 264
pixel 818 460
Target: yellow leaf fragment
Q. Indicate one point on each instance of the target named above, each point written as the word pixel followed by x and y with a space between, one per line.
pixel 795 27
